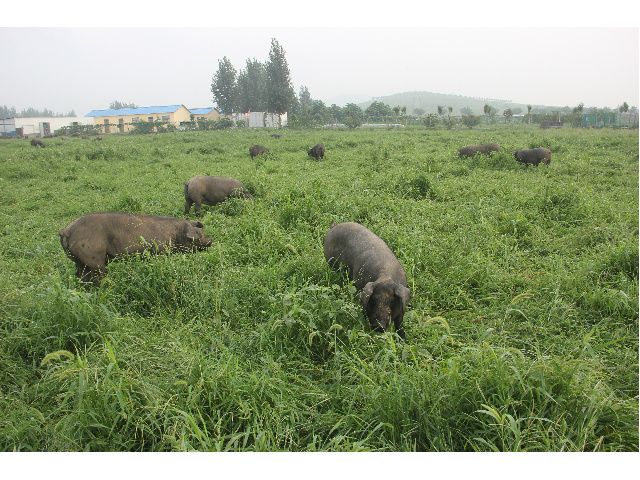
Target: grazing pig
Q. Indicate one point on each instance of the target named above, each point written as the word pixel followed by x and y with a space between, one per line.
pixel 36 142
pixel 97 139
pixel 484 149
pixel 533 156
pixel 317 151
pixel 275 135
pixel 211 191
pixel 255 150
pixel 96 238
pixel 85 137
pixel 374 269
pixel 64 138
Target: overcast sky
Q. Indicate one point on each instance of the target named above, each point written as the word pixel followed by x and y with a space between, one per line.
pixel 150 62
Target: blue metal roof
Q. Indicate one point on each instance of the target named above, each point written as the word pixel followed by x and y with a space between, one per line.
pixel 133 111
pixel 203 111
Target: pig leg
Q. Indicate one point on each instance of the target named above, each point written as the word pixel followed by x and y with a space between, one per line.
pixel 187 206
pixel 87 274
pixel 399 329
pixel 196 208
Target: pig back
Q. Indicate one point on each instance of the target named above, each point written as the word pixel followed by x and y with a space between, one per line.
pixel 365 254
pixel 115 234
pixel 213 190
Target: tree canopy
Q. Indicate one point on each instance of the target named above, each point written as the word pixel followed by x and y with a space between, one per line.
pixel 259 87
pixel 251 86
pixel 116 105
pixel 378 112
pixel 223 86
pixel 280 94
pixel 6 112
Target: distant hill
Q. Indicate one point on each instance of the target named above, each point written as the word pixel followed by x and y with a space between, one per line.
pixel 429 103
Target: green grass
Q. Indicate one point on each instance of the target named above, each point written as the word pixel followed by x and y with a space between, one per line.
pixel 522 331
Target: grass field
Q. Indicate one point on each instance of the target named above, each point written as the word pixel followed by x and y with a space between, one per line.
pixel 522 330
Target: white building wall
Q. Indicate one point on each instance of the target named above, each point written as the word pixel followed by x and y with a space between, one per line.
pixel 7 125
pixel 261 119
pixel 35 126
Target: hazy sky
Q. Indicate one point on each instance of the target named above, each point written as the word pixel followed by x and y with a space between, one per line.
pixel 65 67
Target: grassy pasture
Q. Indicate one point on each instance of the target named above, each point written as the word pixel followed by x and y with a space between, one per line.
pixel 522 331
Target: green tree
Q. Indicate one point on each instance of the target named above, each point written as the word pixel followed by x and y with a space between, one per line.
pixel 440 110
pixel 508 114
pixel 529 107
pixel 378 112
pixel 301 109
pixel 33 112
pixel 353 115
pixel 579 108
pixel 418 111
pixel 624 108
pixel 471 120
pixel 223 86
pixel 116 105
pixel 336 113
pixel 250 87
pixel 280 94
pixel 396 112
pixel 449 122
pixel 431 120
pixel 320 114
pixel 487 111
pixel 305 98
pixel 466 111
pixel 6 112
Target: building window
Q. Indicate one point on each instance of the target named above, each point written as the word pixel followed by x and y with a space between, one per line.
pixel 150 119
pixel 166 118
pixel 135 119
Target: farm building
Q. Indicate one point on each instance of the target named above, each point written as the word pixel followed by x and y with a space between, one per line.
pixel 39 126
pixel 121 120
pixel 209 113
pixel 261 119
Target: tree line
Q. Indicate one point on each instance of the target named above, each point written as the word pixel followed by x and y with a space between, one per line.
pixel 267 87
pixel 261 86
pixel 6 112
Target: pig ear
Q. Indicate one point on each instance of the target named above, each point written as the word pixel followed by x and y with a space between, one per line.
pixel 192 233
pixel 197 224
pixel 404 293
pixel 366 293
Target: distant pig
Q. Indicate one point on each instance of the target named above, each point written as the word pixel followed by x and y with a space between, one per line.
pixel 36 142
pixel 374 269
pixel 255 150
pixel 533 156
pixel 484 149
pixel 97 238
pixel 317 151
pixel 211 191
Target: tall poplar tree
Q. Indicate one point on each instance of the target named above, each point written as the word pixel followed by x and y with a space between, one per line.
pixel 280 93
pixel 251 87
pixel 223 86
